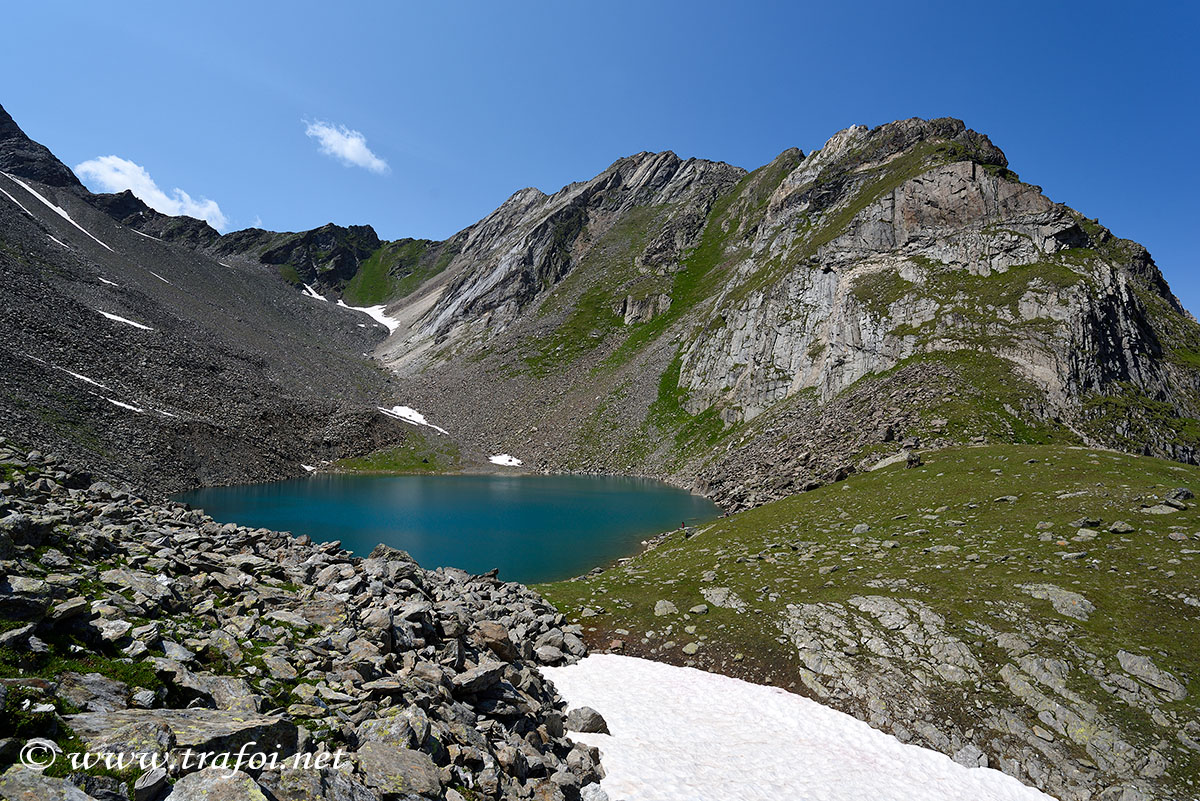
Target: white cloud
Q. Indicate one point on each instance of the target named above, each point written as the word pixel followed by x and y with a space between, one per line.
pixel 115 174
pixel 345 145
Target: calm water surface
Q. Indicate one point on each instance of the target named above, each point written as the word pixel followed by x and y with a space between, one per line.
pixel 534 528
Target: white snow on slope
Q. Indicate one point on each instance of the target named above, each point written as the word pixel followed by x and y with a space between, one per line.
pixel 59 242
pixel 505 460
pixel 125 406
pixel 312 293
pixel 60 212
pixel 375 313
pixel 139 233
pixel 14 200
pixel 106 281
pixel 680 734
pixel 83 378
pixel 159 277
pixel 307 467
pixel 117 319
pixel 410 415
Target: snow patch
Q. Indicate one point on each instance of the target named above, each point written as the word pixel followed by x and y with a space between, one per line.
pixel 410 415
pixel 165 414
pixel 60 212
pixel 139 233
pixel 106 281
pixel 681 733
pixel 159 277
pixel 83 378
pixel 308 467
pixel 314 294
pixel 117 319
pixel 375 313
pixel 125 406
pixel 505 460
pixel 14 200
pixel 59 242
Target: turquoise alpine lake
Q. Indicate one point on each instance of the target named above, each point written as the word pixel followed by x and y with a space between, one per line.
pixel 533 528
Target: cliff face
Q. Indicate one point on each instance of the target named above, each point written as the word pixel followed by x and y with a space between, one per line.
pixel 726 313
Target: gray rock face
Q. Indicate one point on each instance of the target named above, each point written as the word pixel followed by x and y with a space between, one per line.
pixel 1143 667
pixel 198 729
pixel 887 660
pixel 841 290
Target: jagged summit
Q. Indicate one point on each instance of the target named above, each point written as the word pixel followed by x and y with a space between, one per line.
pixel 23 157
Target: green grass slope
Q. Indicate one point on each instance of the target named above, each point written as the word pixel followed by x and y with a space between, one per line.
pixel 964 536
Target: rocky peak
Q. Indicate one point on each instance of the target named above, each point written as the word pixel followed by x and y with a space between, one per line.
pixel 24 157
pixel 329 255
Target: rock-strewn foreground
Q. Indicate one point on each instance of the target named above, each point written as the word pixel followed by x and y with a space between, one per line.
pixel 133 626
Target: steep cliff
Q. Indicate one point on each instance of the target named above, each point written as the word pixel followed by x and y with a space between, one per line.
pixel 688 319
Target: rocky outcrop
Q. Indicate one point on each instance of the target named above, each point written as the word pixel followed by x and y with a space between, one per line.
pixel 25 158
pixel 893 661
pixel 207 638
pixel 525 248
pixel 325 256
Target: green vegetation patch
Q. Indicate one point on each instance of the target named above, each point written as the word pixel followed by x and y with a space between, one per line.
pixel 961 534
pixel 692 433
pixel 394 270
pixel 418 453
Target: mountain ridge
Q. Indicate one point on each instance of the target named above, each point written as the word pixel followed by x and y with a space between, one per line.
pixel 729 315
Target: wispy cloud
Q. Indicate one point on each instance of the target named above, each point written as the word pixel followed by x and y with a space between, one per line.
pixel 115 174
pixel 345 145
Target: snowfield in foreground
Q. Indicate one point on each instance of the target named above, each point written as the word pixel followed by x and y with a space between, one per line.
pixel 505 460
pixel 680 734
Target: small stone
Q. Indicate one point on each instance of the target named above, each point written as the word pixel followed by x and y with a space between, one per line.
pixel 665 608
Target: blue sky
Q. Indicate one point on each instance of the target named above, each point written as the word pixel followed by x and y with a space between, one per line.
pixel 465 103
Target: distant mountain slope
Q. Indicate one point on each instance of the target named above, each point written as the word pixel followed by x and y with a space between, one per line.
pixel 757 333
pixel 151 362
pixel 747 334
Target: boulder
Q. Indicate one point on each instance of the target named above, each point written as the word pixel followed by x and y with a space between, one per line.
pixel 585 719
pixel 394 771
pixel 22 784
pixel 198 729
pixel 216 784
pixel 93 692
